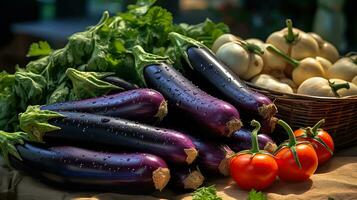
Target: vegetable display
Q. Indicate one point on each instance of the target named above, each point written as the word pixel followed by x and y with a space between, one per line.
pixel 345 68
pixel 270 82
pixel 254 169
pixel 81 168
pixel 138 104
pixel 317 86
pixel 188 178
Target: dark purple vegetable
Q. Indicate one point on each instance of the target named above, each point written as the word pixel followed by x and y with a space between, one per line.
pixel 242 140
pixel 213 158
pixel 120 83
pixel 171 145
pixel 211 113
pixel 186 178
pixel 85 169
pixel 139 105
pixel 217 76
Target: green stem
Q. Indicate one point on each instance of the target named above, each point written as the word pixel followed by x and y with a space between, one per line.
pixel 255 144
pixel 293 62
pixel 317 126
pixel 290 37
pixel 289 131
pixel 335 87
pixel 253 48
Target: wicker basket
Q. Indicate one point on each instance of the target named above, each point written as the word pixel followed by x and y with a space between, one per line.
pixel 303 110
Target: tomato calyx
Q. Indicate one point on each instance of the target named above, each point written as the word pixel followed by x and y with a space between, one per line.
pixel 313 134
pixel 291 143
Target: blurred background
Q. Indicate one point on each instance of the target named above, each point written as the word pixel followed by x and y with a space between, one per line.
pixel 25 21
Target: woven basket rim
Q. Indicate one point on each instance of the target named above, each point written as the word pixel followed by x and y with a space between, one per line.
pixel 300 96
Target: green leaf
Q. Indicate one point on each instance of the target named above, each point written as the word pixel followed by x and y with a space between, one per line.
pixel 254 195
pixel 89 84
pixel 61 94
pixel 42 48
pixel 206 193
pixel 35 122
pixel 141 6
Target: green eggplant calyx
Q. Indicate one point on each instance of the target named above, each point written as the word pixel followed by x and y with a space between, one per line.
pixel 290 37
pixel 335 87
pixel 293 62
pixel 183 43
pixel 144 59
pixel 255 144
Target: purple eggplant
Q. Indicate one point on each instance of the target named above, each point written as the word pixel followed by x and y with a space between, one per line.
pixel 171 145
pixel 186 178
pixel 124 85
pixel 213 158
pixel 140 105
pixel 85 169
pixel 223 81
pixel 242 140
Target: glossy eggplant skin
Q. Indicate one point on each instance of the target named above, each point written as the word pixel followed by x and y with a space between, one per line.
pixel 214 115
pixel 144 105
pixel 213 158
pixel 242 140
pixel 229 85
pixel 120 83
pixel 171 145
pixel 85 169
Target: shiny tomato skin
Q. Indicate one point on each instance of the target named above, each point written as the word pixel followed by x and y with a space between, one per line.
pixel 289 169
pixel 323 154
pixel 253 172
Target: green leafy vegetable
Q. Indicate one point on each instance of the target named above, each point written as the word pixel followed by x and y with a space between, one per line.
pixel 254 195
pixel 35 121
pixel 206 193
pixel 42 48
pixel 61 94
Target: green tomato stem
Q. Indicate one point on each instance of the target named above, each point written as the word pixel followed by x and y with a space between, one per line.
pixel 317 126
pixel 293 62
pixel 290 37
pixel 289 131
pixel 335 87
pixel 255 144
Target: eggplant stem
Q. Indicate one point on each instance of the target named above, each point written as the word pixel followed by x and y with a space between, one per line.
pixel 335 87
pixel 290 37
pixel 287 128
pixel 293 62
pixel 255 144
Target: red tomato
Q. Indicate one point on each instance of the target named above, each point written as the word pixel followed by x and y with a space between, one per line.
pixel 250 171
pixel 316 135
pixel 289 169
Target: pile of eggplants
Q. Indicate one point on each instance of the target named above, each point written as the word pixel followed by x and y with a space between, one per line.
pixel 143 156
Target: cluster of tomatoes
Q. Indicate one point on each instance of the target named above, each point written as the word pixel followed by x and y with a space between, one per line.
pixel 295 160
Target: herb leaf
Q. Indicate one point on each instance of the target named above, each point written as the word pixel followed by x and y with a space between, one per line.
pixel 254 195
pixel 42 48
pixel 206 193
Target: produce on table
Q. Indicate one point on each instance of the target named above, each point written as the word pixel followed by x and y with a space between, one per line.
pixel 244 59
pixel 304 69
pixel 290 82
pixel 321 140
pixel 254 169
pixel 65 165
pixel 345 68
pixel 269 82
pixel 223 39
pixel 214 115
pixel 125 85
pixel 354 80
pixel 186 178
pixel 242 140
pixel 297 160
pixel 209 193
pixel 255 41
pixel 219 77
pixel 351 90
pixel 317 86
pixel 326 49
pixel 171 145
pixel 213 158
pixel 140 105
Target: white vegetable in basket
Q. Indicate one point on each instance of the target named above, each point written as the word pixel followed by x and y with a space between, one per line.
pixel 318 86
pixel 345 68
pixel 354 80
pixel 243 58
pixel 269 82
pixel 326 49
pixel 223 39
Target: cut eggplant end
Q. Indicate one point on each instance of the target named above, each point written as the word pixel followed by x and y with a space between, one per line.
pixel 270 147
pixel 273 122
pixel 192 154
pixel 194 180
pixel 233 126
pixel 162 111
pixel 161 177
pixel 267 111
pixel 224 165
